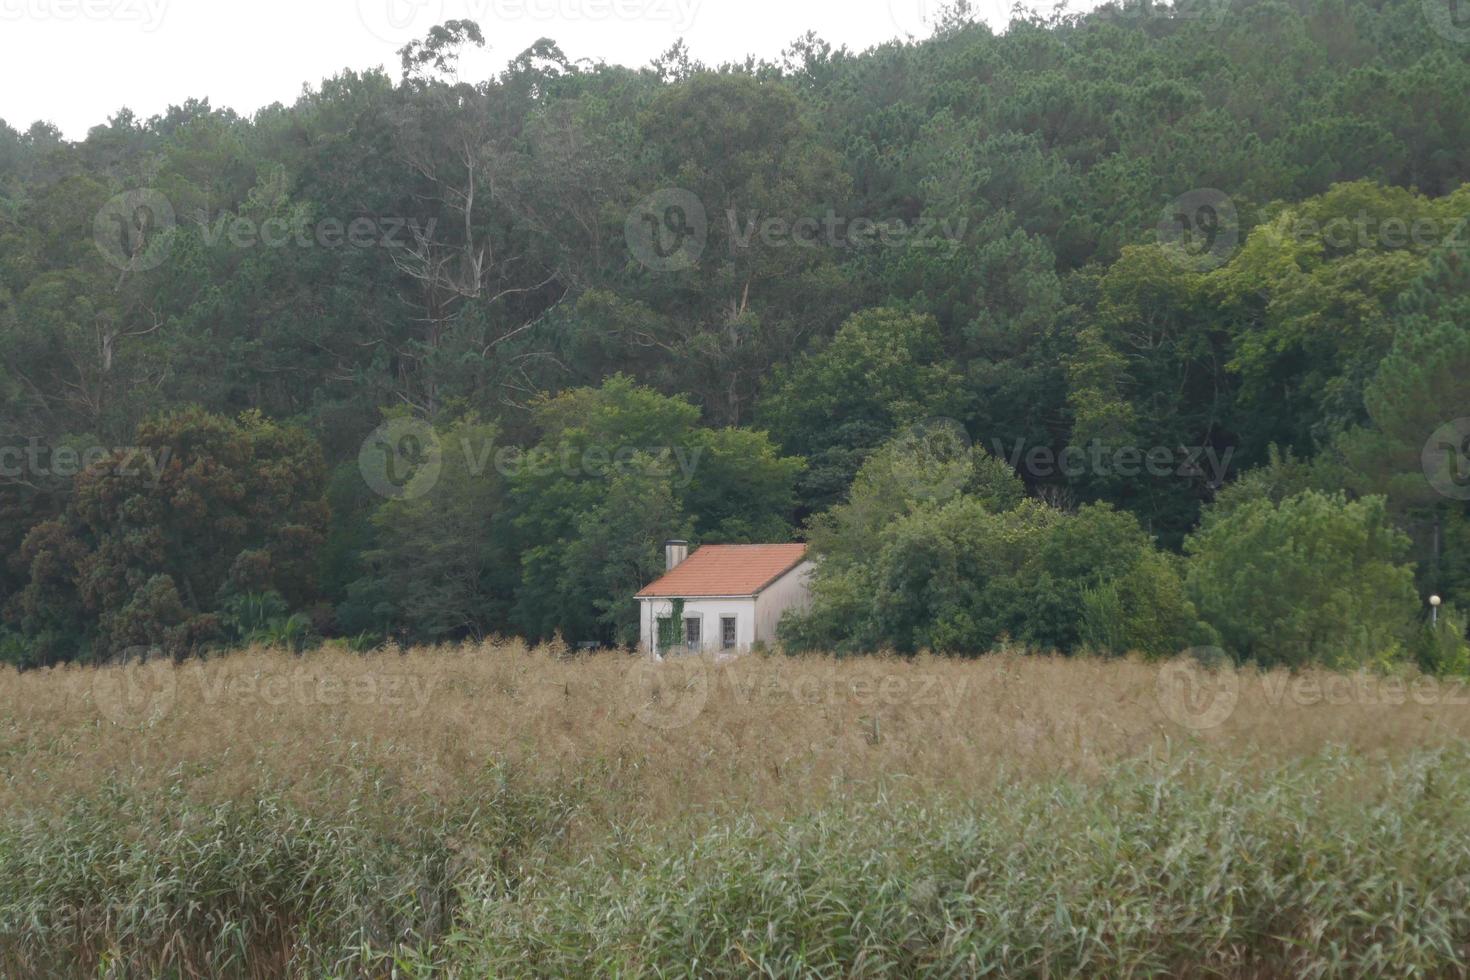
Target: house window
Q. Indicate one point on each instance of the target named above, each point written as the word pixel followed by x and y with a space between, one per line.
pixel 663 636
pixel 693 628
pixel 727 632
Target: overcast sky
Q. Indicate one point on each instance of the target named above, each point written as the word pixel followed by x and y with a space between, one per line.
pixel 75 62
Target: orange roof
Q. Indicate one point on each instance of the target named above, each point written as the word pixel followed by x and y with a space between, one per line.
pixel 727 570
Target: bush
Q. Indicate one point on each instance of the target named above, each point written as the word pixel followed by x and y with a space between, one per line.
pixel 1440 648
pixel 961 576
pixel 1313 579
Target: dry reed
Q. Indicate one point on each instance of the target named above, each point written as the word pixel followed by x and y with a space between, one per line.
pixel 765 732
pixel 496 808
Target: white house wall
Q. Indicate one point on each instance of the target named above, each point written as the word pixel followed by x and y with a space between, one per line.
pixel 790 591
pixel 710 611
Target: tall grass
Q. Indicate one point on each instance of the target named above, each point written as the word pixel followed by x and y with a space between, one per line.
pixel 1330 867
pixel 772 733
pixel 118 885
pixel 501 810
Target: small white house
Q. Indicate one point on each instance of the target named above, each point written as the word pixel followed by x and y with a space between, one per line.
pixel 733 594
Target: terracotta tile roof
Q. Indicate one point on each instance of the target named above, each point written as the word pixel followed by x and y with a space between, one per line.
pixel 727 569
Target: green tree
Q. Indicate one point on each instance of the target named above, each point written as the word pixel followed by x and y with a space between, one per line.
pixel 1421 388
pixel 944 553
pixel 158 536
pixel 1316 286
pixel 616 551
pixel 1315 578
pixel 907 473
pixel 750 151
pixel 884 370
pixel 441 563
pixel 619 440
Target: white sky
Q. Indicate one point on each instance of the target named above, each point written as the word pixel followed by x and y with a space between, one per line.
pixel 75 62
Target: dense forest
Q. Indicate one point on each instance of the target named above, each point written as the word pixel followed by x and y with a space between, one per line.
pixel 1136 330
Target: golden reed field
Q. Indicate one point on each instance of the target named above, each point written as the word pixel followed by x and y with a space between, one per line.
pixel 495 810
pixel 767 732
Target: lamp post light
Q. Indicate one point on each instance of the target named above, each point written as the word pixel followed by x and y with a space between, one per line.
pixel 1434 602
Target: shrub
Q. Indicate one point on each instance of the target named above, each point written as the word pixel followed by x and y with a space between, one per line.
pixel 1313 579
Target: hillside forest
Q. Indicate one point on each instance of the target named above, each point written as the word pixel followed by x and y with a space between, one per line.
pixel 1139 330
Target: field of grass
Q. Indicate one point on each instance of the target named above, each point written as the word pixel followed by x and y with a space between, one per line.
pixel 498 810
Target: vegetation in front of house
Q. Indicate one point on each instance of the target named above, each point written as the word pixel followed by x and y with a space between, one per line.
pixel 498 810
pixel 121 884
pixel 1332 866
pixel 483 419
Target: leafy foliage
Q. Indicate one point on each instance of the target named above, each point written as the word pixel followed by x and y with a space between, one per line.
pixel 960 227
pixel 980 566
pixel 1312 579
pixel 155 540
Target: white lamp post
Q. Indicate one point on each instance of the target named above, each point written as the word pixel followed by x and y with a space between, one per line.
pixel 1434 602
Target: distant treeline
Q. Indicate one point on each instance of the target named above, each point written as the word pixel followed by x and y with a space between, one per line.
pixel 1133 330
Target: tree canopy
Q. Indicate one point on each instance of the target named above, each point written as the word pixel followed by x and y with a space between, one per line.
pixel 998 320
